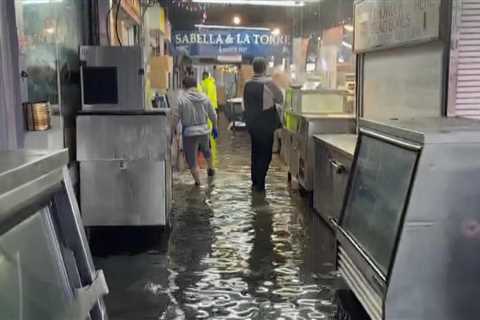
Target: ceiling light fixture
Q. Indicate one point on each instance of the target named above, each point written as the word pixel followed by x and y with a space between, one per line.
pixel 282 3
pixel 237 20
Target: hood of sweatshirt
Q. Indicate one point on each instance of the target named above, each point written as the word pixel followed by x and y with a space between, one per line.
pixel 194 96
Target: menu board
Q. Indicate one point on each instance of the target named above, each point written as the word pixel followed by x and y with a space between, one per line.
pixel 381 24
pixel 380 183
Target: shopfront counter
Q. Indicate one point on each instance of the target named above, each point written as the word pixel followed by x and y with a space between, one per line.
pixel 408 235
pixel 333 161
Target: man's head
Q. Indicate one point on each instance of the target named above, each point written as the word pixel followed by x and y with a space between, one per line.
pixel 259 65
pixel 189 82
pixel 205 75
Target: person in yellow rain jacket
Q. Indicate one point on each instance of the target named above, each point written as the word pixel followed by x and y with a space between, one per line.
pixel 208 86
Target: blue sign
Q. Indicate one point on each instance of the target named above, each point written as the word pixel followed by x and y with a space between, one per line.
pixel 210 43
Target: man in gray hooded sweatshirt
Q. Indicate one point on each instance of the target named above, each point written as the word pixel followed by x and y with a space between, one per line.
pixel 194 110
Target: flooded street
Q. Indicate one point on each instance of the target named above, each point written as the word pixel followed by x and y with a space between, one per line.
pixel 231 254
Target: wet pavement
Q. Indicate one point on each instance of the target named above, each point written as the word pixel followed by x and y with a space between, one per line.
pixel 230 254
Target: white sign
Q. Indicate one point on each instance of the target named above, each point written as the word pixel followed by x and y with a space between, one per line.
pixel 383 24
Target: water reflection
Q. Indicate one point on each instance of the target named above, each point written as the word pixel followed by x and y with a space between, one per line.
pixel 234 254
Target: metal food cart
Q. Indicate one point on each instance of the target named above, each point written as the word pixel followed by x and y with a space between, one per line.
pixel 408 236
pixel 47 270
pixel 124 149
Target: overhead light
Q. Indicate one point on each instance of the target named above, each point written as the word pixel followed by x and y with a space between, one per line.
pixel 276 32
pixel 283 3
pixel 237 20
pixel 348 27
pixel 211 26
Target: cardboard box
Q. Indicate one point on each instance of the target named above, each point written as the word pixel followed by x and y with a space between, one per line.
pixel 160 69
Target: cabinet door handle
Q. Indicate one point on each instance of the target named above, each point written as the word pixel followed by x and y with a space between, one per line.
pixel 339 168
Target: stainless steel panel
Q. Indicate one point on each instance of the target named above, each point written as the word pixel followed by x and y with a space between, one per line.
pixel 33 277
pixel 129 64
pixel 438 249
pixel 123 192
pixel 323 198
pixel 331 172
pixel 427 130
pixel 390 90
pixel 435 267
pixel 285 145
pixel 370 300
pixel 121 137
pixel 310 126
pixel 72 232
pixel 20 167
pixel 294 155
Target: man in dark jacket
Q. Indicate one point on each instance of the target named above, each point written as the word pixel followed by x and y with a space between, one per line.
pixel 260 98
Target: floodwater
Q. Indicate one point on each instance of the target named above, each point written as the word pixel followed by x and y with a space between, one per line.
pixel 230 254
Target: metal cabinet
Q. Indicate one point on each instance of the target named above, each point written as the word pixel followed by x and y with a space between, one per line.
pixel 303 150
pixel 125 168
pixel 137 198
pixel 333 160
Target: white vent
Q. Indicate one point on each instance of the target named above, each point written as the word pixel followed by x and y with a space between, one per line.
pixel 367 296
pixel 464 100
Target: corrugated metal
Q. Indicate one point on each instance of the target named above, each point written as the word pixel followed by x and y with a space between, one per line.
pixel 467 59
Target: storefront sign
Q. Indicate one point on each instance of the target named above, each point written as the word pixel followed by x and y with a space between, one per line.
pixel 247 43
pixel 381 24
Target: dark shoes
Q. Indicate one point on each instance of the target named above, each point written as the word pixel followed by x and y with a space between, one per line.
pixel 211 172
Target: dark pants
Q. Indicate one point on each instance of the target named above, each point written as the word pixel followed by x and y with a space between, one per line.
pixel 262 144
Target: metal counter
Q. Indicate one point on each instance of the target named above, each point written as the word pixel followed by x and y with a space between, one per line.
pixel 409 231
pixel 301 153
pixel 46 268
pixel 333 160
pixel 125 168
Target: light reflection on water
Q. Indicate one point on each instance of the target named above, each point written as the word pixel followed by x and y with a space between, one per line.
pixel 234 254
